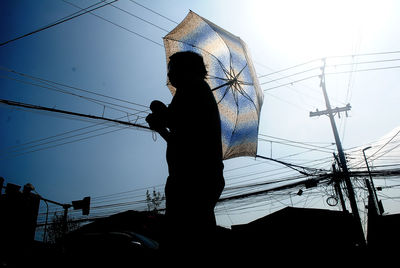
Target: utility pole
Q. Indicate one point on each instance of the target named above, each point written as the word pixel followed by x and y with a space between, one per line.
pixel 338 190
pixel 83 204
pixel 65 218
pixel 371 188
pixel 342 158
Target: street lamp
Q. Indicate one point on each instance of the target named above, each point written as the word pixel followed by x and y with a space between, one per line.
pixel 371 187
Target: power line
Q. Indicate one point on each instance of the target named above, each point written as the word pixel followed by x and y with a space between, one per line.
pixel 288 102
pixel 264 191
pixel 52 83
pixel 365 54
pixel 96 101
pixel 235 177
pixel 386 143
pixel 300 92
pixel 229 193
pixel 386 152
pixel 364 70
pixel 69 142
pixel 151 10
pixel 389 141
pixel 332 73
pixel 101 197
pixel 291 67
pixel 68 18
pixel 44 141
pixel 233 193
pixel 328 73
pixel 238 195
pixel 331 57
pixel 292 166
pixel 49 139
pixel 61 139
pixel 41 108
pixel 266 173
pixel 15 147
pixel 118 25
pixel 288 76
pixel 362 62
pixel 291 83
pixel 137 17
pixel 323 149
pixel 130 195
pixel 37 107
pixel 298 146
pixel 77 12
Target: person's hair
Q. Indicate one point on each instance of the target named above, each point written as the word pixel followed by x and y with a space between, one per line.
pixel 188 63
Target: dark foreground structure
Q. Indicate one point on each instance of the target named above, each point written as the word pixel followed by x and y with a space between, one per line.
pixel 291 236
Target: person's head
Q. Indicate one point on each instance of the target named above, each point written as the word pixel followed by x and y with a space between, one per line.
pixel 185 67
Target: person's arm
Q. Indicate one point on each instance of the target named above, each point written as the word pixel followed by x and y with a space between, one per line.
pixel 157 120
pixel 164 132
pixel 157 124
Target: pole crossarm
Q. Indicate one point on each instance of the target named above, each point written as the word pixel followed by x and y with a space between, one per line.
pixel 336 110
pixel 65 206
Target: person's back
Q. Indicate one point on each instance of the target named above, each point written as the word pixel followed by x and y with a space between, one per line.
pixel 194 122
pixel 192 128
pixel 194 153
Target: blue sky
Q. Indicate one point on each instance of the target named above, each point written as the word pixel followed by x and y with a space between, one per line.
pixel 92 54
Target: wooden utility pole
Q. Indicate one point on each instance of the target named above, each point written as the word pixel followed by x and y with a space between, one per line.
pixel 342 158
pixel 336 181
pixel 377 205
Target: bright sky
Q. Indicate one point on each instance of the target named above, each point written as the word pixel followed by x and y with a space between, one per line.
pixel 110 58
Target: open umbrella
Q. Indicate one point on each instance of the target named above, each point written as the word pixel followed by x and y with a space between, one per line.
pixel 231 76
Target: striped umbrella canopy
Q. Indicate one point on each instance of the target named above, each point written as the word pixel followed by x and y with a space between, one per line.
pixel 231 76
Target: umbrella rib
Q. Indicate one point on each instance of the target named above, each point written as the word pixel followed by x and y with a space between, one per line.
pixel 235 95
pixel 228 79
pixel 239 88
pixel 247 96
pixel 225 72
pixel 241 70
pixel 235 77
pixel 231 70
pixel 226 91
pixel 236 121
pixel 245 83
pixel 216 77
pixel 239 81
pixel 242 91
pixel 218 87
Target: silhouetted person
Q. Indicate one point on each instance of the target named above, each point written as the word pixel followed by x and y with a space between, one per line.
pixel 191 126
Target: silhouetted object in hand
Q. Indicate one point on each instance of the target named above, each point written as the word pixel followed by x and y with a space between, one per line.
pixel 192 128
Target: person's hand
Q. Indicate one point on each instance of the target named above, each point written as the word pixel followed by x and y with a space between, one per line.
pixel 157 119
pixel 154 122
pixel 158 107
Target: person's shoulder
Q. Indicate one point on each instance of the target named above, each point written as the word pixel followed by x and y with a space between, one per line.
pixel 205 84
pixel 204 88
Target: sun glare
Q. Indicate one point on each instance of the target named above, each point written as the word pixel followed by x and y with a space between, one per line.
pixel 318 28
